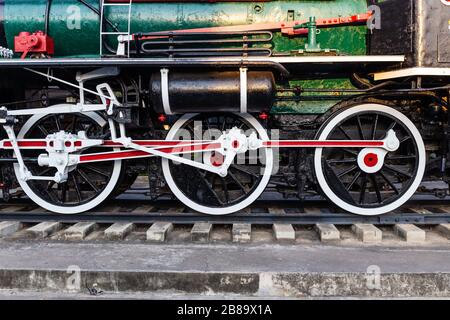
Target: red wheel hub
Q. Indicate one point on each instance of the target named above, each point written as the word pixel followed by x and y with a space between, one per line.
pixel 371 160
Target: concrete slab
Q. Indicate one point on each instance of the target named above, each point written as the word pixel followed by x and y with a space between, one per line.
pixel 258 270
pixel 242 232
pixel 284 232
pixel 367 232
pixel 44 229
pixel 80 230
pixel 158 231
pixel 410 232
pixel 118 231
pixel 201 232
pixel 327 232
pixel 9 227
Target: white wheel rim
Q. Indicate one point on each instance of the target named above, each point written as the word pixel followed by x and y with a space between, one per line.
pixel 69 209
pixel 225 210
pixel 420 167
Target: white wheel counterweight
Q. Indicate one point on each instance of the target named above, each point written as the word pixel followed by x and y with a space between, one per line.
pixel 370 181
pixel 208 192
pixel 87 186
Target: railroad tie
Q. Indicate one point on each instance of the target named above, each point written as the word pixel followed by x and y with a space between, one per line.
pixel 410 232
pixel 159 231
pixel 201 232
pixel 444 229
pixel 44 229
pixel 80 230
pixel 283 232
pixel 327 232
pixel 242 232
pixel 9 227
pixel 118 231
pixel 367 232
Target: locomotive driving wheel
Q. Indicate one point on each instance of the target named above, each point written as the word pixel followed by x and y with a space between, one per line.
pixel 87 185
pixel 370 181
pixel 208 192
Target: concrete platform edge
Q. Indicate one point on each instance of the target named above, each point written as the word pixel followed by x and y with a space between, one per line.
pixel 256 284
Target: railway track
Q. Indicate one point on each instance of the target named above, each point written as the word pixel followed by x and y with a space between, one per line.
pixel 420 210
pixel 132 218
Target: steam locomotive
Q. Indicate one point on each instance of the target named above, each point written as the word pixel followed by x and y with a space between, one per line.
pixel 218 101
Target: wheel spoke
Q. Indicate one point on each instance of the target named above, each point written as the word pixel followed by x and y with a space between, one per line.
pixel 377 189
pixel 64 192
pixel 362 194
pixel 393 124
pixel 405 139
pixel 77 189
pixel 374 129
pixel 360 129
pixel 43 130
pixel 401 157
pixel 209 187
pixel 345 172
pixel 350 152
pixel 389 182
pixel 225 189
pixel 237 181
pixel 397 171
pixel 241 169
pixel 58 124
pixel 341 161
pixel 96 170
pixel 344 132
pixel 355 178
pixel 87 179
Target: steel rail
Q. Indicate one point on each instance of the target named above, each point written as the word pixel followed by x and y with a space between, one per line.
pixel 434 216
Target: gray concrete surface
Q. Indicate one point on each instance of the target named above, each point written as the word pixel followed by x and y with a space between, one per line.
pixel 250 270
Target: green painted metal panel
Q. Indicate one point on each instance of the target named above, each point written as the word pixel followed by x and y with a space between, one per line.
pixel 75 37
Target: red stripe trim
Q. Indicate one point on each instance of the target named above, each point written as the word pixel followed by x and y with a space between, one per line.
pixel 137 153
pixel 26 144
pixel 320 144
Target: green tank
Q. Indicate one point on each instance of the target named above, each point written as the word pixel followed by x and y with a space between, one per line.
pixel 75 26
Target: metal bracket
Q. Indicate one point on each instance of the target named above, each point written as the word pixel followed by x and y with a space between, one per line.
pixel 244 89
pixel 165 91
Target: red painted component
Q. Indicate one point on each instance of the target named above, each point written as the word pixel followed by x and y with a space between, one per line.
pixel 235 144
pixel 287 28
pixel 162 118
pixel 37 42
pixel 332 22
pixel 263 116
pixel 371 160
pixel 29 144
pixel 322 144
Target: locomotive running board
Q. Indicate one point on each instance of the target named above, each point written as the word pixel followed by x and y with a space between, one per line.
pixel 232 61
